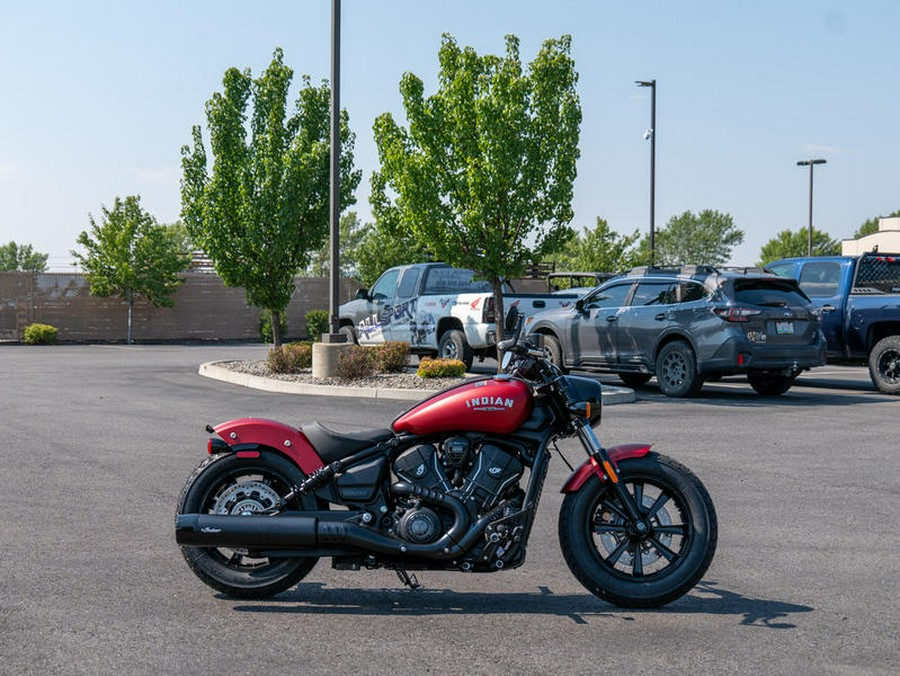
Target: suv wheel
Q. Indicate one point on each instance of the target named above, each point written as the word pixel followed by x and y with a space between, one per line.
pixel 553 351
pixel 676 370
pixel 770 384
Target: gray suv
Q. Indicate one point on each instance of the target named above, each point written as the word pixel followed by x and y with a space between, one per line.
pixel 686 326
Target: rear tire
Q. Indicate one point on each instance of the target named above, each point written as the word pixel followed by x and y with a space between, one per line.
pixel 453 345
pixel 884 365
pixel 770 384
pixel 227 484
pixel 676 370
pixel 608 556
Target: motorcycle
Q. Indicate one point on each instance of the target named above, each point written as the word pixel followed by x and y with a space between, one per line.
pixel 452 484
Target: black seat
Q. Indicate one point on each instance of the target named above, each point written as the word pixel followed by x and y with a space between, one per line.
pixel 332 445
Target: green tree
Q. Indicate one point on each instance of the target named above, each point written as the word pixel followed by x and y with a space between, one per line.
pixel 706 238
pixel 350 236
pixel 21 257
pixel 265 208
pixel 792 244
pixel 483 176
pixel 871 226
pixel 128 254
pixel 598 249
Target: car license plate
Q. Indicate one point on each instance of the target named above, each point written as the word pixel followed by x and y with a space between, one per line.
pixel 784 328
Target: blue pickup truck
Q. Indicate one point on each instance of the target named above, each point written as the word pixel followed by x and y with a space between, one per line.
pixel 859 298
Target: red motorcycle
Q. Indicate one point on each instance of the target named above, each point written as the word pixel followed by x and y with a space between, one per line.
pixel 452 484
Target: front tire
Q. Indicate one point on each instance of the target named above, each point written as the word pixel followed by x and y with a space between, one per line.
pixel 553 351
pixel 227 484
pixel 884 365
pixel 616 563
pixel 676 370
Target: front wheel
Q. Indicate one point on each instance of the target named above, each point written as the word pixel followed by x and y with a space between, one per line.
pixel 643 564
pixel 228 484
pixel 884 365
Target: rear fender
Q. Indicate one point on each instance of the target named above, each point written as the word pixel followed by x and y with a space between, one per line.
pixel 249 432
pixel 591 467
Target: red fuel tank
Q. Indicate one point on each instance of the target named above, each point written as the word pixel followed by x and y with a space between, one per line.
pixel 494 405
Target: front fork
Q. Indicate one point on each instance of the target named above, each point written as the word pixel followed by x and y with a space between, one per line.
pixel 602 463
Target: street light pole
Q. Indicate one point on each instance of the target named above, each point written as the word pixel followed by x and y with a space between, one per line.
pixel 335 219
pixel 810 164
pixel 652 136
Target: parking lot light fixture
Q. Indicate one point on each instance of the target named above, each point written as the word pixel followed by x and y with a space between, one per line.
pixel 651 134
pixel 810 164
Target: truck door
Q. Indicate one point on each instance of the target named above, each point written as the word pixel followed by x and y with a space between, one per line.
pixel 821 281
pixel 375 328
pixel 403 325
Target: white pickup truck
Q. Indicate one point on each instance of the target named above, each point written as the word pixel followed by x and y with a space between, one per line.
pixel 437 309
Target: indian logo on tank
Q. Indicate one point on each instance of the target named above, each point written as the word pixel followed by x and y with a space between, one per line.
pixel 490 403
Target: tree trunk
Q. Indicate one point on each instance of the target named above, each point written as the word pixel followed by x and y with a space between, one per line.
pixel 130 298
pixel 500 317
pixel 276 328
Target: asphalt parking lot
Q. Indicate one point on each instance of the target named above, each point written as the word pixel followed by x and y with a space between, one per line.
pixel 98 440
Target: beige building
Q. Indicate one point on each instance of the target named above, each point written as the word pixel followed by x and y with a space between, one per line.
pixel 886 240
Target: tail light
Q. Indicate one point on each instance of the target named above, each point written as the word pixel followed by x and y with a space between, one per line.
pixel 489 311
pixel 736 314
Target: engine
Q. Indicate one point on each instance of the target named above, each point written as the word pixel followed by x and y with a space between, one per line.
pixel 480 474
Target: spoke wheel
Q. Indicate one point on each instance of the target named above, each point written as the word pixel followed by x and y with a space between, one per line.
pixel 226 484
pixel 653 560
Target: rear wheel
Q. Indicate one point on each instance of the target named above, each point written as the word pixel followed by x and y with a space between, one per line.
pixel 227 484
pixel 453 345
pixel 771 384
pixel 884 365
pixel 643 564
pixel 676 370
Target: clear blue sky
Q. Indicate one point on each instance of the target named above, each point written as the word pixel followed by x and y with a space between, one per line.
pixel 97 98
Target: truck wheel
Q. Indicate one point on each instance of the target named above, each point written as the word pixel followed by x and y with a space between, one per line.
pixel 453 345
pixel 350 332
pixel 884 365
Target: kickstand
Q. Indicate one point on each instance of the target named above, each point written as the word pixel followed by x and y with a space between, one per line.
pixel 409 580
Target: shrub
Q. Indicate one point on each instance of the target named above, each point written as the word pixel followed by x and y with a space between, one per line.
pixel 316 324
pixel 265 326
pixel 356 362
pixel 41 334
pixel 391 356
pixel 290 358
pixel 441 368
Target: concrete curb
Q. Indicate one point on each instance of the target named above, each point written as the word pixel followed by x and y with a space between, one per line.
pixel 611 395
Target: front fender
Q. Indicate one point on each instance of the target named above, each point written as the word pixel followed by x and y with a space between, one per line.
pixel 263 432
pixel 590 466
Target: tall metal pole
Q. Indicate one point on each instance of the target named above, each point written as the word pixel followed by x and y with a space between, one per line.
pixel 809 233
pixel 335 171
pixel 652 132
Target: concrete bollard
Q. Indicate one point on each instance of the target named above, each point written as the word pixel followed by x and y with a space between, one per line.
pixel 325 358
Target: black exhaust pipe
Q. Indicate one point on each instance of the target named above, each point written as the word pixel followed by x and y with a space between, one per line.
pixel 327 530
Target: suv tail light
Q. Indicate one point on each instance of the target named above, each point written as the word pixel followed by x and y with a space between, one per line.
pixel 736 314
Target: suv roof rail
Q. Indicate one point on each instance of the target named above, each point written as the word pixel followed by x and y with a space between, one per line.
pixel 683 271
pixel 747 269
